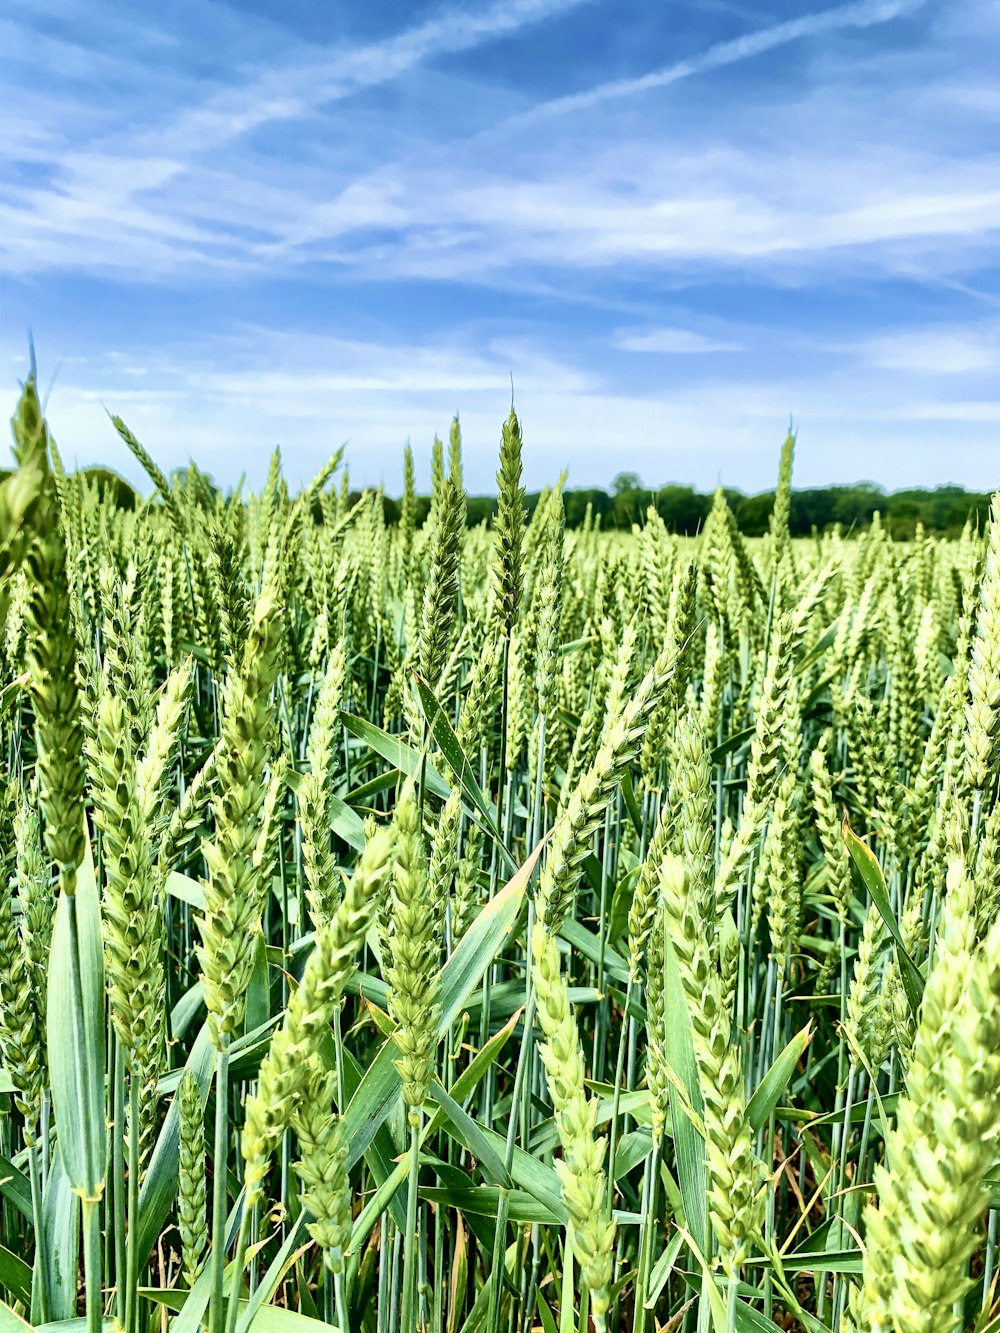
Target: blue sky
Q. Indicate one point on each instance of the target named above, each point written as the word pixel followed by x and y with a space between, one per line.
pixel 672 225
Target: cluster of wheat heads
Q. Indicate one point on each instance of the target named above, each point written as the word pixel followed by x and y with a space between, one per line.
pixel 407 927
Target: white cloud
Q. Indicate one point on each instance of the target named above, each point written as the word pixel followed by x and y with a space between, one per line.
pixel 937 351
pixel 671 342
pixel 985 411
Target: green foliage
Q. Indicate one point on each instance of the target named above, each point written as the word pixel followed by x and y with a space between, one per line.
pixel 494 916
pixel 944 510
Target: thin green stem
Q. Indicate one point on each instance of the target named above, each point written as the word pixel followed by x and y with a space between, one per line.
pixel 37 1223
pixel 341 1302
pixel 132 1232
pixel 408 1315
pixel 241 1258
pixel 118 1182
pixel 92 1265
pixel 217 1308
pixel 650 1181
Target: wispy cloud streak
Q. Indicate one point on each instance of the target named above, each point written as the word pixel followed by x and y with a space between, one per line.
pixel 294 88
pixel 864 14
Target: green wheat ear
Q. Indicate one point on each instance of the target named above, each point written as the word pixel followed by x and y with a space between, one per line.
pixel 983 703
pixel 234 889
pixel 191 1186
pixel 439 612
pixel 581 1172
pixel 310 1010
pixel 315 790
pixel 412 974
pixel 736 1175
pixel 509 528
pixel 921 1231
pixel 322 1166
pixel 36 537
pixel 21 1002
pixel 590 799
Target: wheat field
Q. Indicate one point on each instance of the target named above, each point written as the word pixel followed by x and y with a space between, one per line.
pixel 492 930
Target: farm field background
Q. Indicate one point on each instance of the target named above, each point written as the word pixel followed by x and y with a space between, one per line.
pixel 496 929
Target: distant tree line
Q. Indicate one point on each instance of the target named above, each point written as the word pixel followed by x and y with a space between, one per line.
pixel 945 509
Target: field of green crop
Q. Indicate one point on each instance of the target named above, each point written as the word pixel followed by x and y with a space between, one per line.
pixel 495 930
